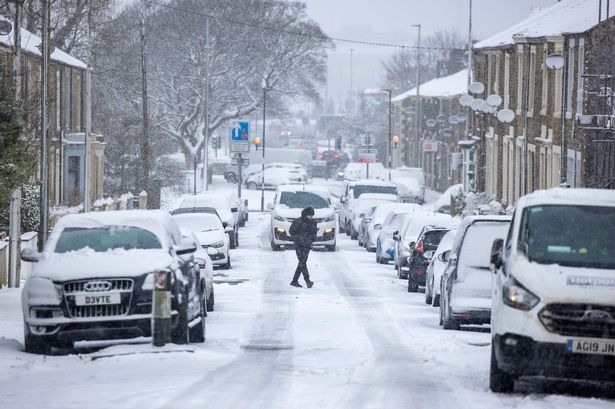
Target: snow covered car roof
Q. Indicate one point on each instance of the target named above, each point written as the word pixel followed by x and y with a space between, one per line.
pixel 371 182
pixel 307 188
pixel 156 221
pixel 561 196
pixel 389 197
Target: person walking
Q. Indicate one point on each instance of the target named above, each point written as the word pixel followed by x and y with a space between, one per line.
pixel 303 232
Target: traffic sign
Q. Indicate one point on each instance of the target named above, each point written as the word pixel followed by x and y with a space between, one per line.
pixel 240 136
pixel 243 161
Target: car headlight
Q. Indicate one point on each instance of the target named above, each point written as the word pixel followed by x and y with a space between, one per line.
pixel 330 218
pixel 42 291
pixel 516 296
pixel 217 244
pixel 279 218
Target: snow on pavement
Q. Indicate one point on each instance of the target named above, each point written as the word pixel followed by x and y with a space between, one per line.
pixel 355 340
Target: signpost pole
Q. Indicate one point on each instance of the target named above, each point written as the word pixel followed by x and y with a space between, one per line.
pixel 239 165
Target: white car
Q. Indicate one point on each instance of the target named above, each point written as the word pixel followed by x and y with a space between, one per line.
pixel 94 280
pixel 352 192
pixel 211 235
pixel 436 268
pixel 379 216
pixel 223 206
pixel 292 166
pixel 206 267
pixel 288 203
pixel 274 177
pixel 553 303
pixel 356 171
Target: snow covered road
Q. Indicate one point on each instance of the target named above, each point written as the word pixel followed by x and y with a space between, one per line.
pixel 355 340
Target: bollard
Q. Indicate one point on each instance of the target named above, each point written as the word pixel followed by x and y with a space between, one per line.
pixel 143 200
pixel 161 309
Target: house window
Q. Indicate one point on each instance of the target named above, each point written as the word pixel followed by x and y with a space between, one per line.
pixel 545 81
pixel 532 82
pixel 573 170
pixel 580 72
pixel 506 80
pixel 557 93
pixel 73 173
pixel 570 78
pixel 519 101
pixel 496 81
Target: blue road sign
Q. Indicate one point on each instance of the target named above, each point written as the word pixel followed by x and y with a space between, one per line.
pixel 240 131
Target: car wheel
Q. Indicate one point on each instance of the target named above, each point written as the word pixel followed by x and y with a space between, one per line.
pixel 231 241
pixel 275 247
pixel 413 285
pixel 211 301
pixel 180 332
pixel 227 265
pixel 231 177
pixel 435 300
pixel 499 381
pixel 383 260
pixel 428 295
pixel 197 333
pixel 242 222
pixel 353 234
pixel 35 344
pixel 378 258
pixel 342 229
pixel 347 229
pixel 236 238
pixel 252 186
pixel 449 322
pixel 360 242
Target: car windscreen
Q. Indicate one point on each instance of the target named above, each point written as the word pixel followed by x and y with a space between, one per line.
pixel 198 224
pixel 101 239
pixel 476 246
pixel 303 199
pixel 569 235
pixel 358 190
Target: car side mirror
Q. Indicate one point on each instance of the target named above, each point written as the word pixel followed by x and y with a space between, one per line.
pixel 396 236
pixel 186 246
pixel 269 206
pixel 428 254
pixel 30 254
pixel 496 254
pixel 445 256
pixel 337 206
pixel 224 224
pixel 343 199
pixel 411 245
pixel 361 215
pixel 229 229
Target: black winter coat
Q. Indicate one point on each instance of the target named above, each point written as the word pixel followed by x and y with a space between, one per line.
pixel 303 232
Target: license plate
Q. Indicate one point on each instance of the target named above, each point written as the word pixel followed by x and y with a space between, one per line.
pixel 97 299
pixel 591 346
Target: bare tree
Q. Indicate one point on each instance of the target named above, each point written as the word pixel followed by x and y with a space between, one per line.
pixel 442 54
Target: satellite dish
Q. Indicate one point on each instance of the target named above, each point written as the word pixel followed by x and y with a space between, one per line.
pixel 5 27
pixel 494 100
pixel 441 118
pixel 477 104
pixel 466 100
pixel 447 132
pixel 506 116
pixel 462 117
pixel 477 87
pixel 486 108
pixel 555 61
pixel 430 123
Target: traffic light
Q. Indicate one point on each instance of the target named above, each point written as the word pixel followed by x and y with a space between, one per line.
pixel 215 142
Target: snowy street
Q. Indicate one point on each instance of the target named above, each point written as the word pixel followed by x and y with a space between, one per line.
pixel 355 340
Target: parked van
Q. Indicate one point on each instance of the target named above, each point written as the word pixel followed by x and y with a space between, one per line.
pixel 553 296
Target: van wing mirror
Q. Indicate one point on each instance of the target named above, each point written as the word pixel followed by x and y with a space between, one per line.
pixel 496 254
pixel 30 254
pixel 396 236
pixel 445 256
pixel 186 246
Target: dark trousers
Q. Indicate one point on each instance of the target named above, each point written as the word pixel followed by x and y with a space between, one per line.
pixel 302 256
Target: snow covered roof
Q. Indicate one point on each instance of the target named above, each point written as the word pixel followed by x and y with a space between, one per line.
pixel 582 197
pixel 450 86
pixel 30 43
pixel 565 17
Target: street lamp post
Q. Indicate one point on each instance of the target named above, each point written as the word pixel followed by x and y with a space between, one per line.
pixel 417 125
pixel 264 85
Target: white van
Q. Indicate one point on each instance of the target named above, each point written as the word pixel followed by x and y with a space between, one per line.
pixel 553 294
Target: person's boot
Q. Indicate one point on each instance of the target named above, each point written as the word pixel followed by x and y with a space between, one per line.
pixel 295 283
pixel 309 283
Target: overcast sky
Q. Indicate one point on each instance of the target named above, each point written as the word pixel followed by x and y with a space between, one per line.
pixel 390 21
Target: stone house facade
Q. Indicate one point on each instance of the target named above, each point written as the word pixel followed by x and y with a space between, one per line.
pixel 547 102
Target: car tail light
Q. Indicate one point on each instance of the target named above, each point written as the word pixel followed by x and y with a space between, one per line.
pixel 161 280
pixel 419 247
